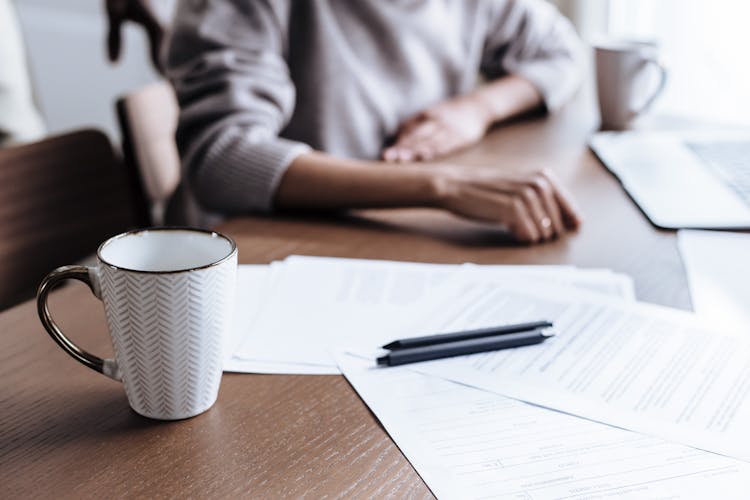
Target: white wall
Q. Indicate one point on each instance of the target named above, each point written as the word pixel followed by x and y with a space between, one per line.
pixel 75 85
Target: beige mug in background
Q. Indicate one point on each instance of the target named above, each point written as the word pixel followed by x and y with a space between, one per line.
pixel 168 297
pixel 625 85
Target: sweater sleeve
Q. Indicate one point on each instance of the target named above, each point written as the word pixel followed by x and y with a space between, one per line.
pixel 226 61
pixel 531 39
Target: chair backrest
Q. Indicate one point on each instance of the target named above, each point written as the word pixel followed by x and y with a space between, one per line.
pixel 148 121
pixel 59 198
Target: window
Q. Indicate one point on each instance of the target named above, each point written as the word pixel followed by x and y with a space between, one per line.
pixel 705 45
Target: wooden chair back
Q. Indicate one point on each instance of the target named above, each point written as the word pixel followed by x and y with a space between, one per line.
pixel 59 199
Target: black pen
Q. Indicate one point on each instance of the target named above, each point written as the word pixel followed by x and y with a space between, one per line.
pixel 465 335
pixel 462 347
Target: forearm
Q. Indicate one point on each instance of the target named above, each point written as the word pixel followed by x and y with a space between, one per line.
pixel 532 207
pixel 506 97
pixel 533 41
pixel 318 180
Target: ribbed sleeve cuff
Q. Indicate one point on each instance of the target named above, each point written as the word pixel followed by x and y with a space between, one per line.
pixel 240 174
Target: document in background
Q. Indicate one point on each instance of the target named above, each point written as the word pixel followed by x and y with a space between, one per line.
pixel 467 443
pixel 718 272
pixel 311 305
pixel 315 302
pixel 253 281
pixel 645 368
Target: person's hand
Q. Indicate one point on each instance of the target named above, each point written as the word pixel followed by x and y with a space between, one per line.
pixel 446 127
pixel 140 12
pixel 534 207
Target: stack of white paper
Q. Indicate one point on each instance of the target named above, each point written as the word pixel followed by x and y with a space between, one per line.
pixel 717 264
pixel 644 368
pixel 628 401
pixel 467 443
pixel 292 315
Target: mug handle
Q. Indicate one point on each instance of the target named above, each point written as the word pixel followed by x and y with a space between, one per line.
pixel 107 367
pixel 659 88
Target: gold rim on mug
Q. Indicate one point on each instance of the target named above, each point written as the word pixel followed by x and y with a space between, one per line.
pixel 168 229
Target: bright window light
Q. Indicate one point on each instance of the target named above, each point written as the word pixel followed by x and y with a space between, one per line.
pixel 705 45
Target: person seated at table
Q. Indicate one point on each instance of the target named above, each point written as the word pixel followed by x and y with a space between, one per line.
pixel 333 105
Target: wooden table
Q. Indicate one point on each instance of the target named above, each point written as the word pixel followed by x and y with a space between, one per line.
pixel 68 432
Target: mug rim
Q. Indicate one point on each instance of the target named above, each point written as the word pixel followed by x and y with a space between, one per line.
pixel 626 44
pixel 232 252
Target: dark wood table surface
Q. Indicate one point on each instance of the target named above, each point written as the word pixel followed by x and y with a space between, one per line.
pixel 66 431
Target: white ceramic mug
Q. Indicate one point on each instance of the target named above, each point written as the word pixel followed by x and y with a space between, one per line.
pixel 168 296
pixel 624 73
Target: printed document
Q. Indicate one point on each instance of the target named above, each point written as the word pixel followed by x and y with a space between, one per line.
pixel 467 443
pixel 645 368
pixel 253 283
pixel 718 271
pixel 307 306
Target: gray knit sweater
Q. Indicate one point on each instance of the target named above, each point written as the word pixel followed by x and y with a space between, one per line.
pixel 262 81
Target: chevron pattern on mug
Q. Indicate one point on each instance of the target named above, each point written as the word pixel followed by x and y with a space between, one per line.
pixel 167 332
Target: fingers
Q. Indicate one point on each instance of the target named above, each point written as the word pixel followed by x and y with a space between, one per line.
pixel 426 148
pixel 508 209
pixel 396 154
pixel 521 222
pixel 539 216
pixel 440 143
pixel 447 126
pixel 545 191
pixel 550 206
pixel 413 142
pixel 531 206
pixel 570 213
pixel 410 123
